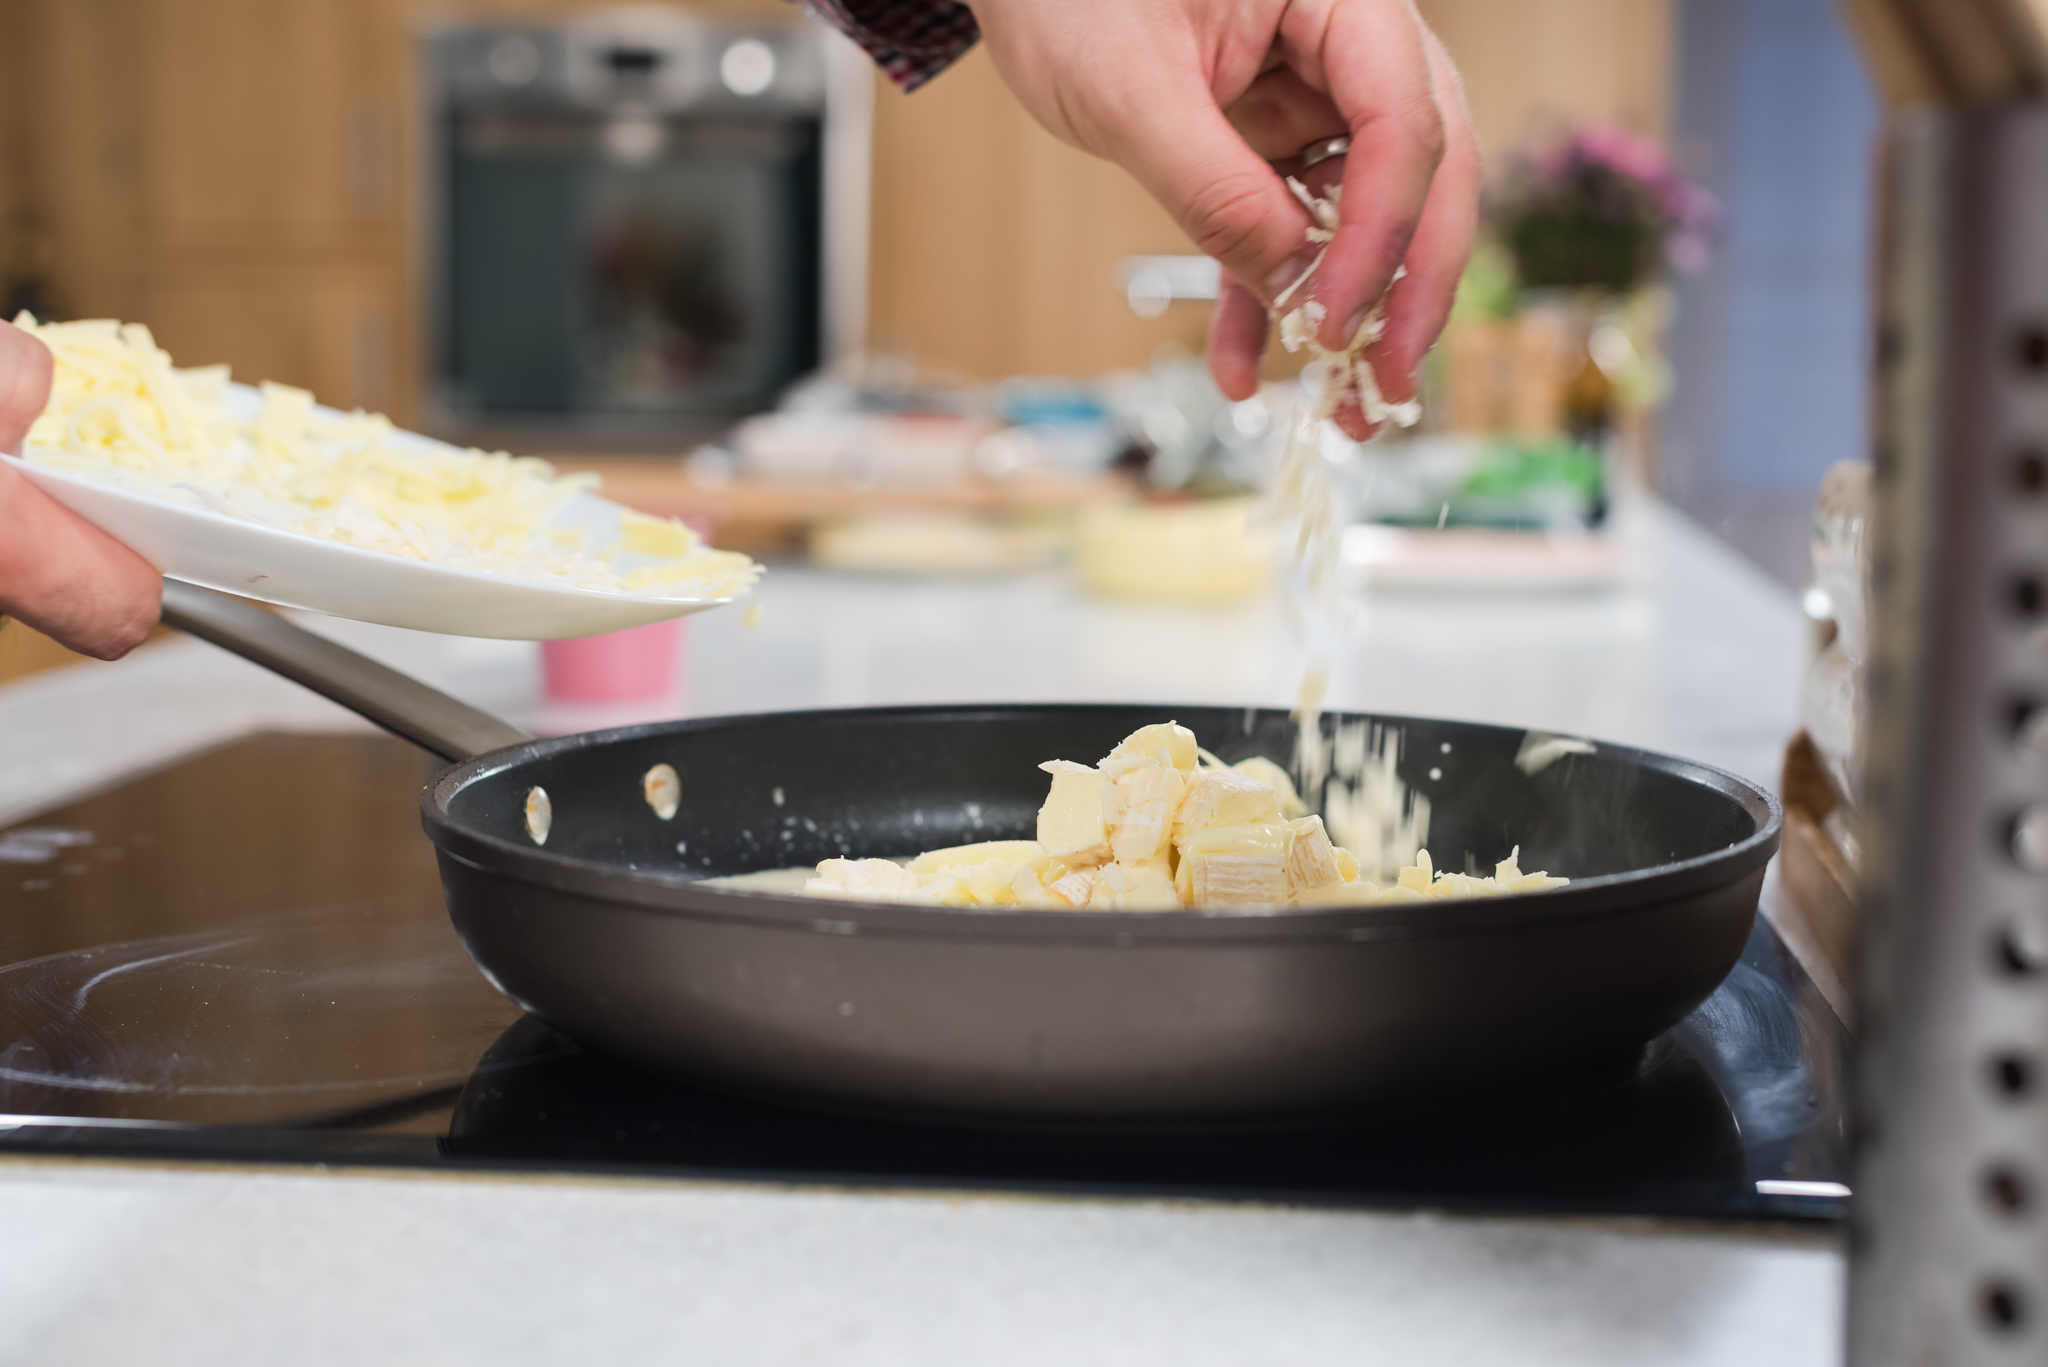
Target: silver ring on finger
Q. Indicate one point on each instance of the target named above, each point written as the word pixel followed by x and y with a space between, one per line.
pixel 1322 150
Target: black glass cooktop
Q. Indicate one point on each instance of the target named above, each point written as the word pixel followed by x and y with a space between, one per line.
pixel 245 957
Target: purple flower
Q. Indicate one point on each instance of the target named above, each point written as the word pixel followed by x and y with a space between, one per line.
pixel 1605 207
pixel 1637 158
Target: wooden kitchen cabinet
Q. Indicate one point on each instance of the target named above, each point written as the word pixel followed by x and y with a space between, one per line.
pixel 271 194
pixel 227 172
pixel 240 175
pixel 995 246
pixel 336 330
pixel 272 127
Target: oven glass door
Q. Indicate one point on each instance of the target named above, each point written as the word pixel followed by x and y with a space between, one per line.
pixel 620 268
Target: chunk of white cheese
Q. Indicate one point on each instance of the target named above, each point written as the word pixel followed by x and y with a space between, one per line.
pixel 990 883
pixel 1165 741
pixel 1224 797
pixel 1274 777
pixel 1359 894
pixel 1027 889
pixel 1140 809
pixel 1071 825
pixel 1311 859
pixel 1133 887
pixel 1073 889
pixel 1008 852
pixel 867 880
pixel 1236 866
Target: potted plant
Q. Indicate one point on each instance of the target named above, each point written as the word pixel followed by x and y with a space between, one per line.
pixel 1554 347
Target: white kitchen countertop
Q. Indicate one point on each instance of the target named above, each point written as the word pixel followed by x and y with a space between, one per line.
pixel 1700 655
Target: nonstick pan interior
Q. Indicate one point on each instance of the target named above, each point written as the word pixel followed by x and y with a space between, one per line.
pixel 1082 1016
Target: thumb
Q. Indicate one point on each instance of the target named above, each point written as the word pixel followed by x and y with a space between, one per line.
pixel 1224 195
pixel 25 371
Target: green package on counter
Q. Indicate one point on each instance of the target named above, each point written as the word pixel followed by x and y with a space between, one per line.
pixel 1549 484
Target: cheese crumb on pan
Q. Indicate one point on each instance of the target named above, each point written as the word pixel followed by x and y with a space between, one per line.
pixel 1160 825
pixel 1539 751
pixel 121 414
pixel 663 789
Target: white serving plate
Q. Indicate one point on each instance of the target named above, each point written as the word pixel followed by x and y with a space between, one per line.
pixel 294 570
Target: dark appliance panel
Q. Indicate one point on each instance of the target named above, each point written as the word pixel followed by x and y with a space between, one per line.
pixel 629 229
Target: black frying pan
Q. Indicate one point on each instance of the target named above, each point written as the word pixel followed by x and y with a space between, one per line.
pixel 607 932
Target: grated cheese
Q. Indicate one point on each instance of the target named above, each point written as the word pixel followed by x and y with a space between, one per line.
pixel 1367 806
pixel 121 414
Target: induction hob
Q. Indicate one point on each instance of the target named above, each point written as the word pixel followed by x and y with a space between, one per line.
pixel 245 957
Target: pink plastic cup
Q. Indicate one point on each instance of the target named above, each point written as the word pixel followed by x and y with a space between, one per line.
pixel 621 666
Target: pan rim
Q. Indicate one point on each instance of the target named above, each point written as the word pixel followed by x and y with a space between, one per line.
pixel 664 893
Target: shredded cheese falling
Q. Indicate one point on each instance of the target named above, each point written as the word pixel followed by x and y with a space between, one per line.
pixel 121 414
pixel 1367 806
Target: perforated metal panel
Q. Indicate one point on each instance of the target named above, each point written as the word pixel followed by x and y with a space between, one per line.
pixel 1950 1229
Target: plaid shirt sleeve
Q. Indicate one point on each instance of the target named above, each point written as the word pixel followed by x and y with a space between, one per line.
pixel 911 40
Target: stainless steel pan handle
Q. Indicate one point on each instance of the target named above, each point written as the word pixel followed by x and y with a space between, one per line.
pixel 397 702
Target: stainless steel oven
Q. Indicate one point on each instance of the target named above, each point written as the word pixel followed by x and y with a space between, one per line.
pixel 645 222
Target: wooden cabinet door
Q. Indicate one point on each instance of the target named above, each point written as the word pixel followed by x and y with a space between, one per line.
pixel 335 330
pixel 996 246
pixel 273 124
